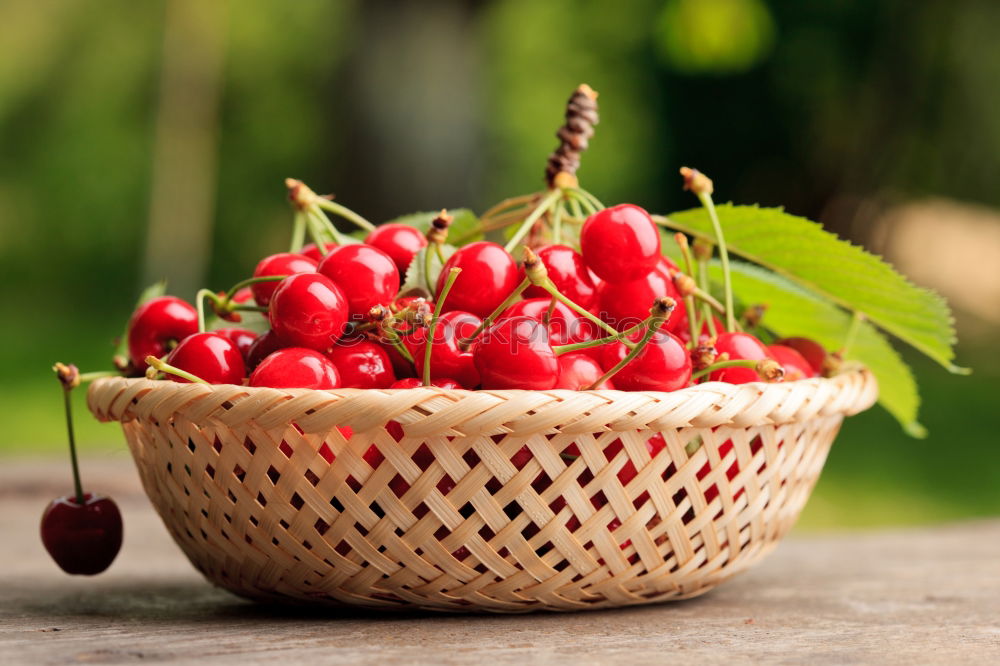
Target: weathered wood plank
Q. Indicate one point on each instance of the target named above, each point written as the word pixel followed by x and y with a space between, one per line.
pixel 892 596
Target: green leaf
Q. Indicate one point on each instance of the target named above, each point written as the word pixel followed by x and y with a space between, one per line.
pixel 463 222
pixel 418 279
pixel 803 252
pixel 794 311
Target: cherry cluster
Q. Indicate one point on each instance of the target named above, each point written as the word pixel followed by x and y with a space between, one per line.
pixel 615 314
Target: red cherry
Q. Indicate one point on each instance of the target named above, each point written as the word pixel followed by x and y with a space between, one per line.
pixel 362 364
pixel 811 351
pixel 577 371
pixel 399 241
pixel 284 263
pixel 796 367
pixel 296 367
pixel 448 359
pixel 209 356
pixel 625 304
pixel 82 539
pixel 620 243
pixel 684 330
pixel 266 344
pixel 308 310
pixel 241 337
pixel 366 274
pixel 488 276
pixel 662 365
pixel 156 324
pixel 564 325
pixel 412 382
pixel 515 354
pixel 739 346
pixel 309 250
pixel 569 274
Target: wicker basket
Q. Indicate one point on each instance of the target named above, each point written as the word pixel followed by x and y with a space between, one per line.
pixel 240 478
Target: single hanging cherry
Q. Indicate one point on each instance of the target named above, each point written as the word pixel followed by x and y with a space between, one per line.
pixel 83 531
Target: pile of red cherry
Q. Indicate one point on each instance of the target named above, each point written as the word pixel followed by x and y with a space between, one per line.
pixel 337 320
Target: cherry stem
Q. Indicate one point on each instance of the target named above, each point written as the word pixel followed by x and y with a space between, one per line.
pixel 199 300
pixel 529 221
pixel 619 337
pixel 325 225
pixel 298 232
pixel 344 212
pixel 692 319
pixel 397 344
pixel 492 317
pixel 68 405
pixel 557 217
pixel 428 261
pixel 658 315
pixel 594 201
pixel 438 309
pixel 249 281
pixel 721 365
pixel 163 366
pixel 705 309
pixel 576 200
pixel 506 205
pixel 706 201
pixel 550 287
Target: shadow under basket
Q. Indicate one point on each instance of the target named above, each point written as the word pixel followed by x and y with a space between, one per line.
pixel 504 501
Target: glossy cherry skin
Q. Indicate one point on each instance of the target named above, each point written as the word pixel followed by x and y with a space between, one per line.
pixel 296 367
pixel 310 250
pixel 739 346
pixel 366 274
pixel 209 356
pixel 663 365
pixel 515 354
pixel 625 304
pixel 577 371
pixel 308 310
pixel 399 241
pixel 488 276
pixel 156 324
pixel 241 337
pixel 448 359
pixel 795 365
pixel 265 344
pixel 811 351
pixel 284 263
pixel 620 243
pixel 82 539
pixel 362 364
pixel 564 325
pixel 568 272
pixel 413 382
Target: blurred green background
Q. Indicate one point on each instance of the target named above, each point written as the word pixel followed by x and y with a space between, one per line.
pixel 143 140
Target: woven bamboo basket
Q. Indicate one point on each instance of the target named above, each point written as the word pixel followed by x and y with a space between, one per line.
pixel 241 478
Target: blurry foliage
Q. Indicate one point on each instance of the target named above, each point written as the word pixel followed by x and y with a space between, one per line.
pixel 396 107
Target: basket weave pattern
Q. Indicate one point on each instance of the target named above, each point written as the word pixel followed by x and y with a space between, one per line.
pixel 241 478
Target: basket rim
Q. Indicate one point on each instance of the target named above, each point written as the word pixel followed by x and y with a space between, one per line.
pixel 432 410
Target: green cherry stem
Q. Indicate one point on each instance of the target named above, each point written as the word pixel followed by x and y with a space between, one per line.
pixel 550 199
pixel 69 376
pixel 249 281
pixel 619 337
pixel 557 217
pixel 326 225
pixel 658 315
pixel 298 232
pixel 467 341
pixel 594 201
pixel 438 309
pixel 163 366
pixel 701 186
pixel 344 212
pixel 199 300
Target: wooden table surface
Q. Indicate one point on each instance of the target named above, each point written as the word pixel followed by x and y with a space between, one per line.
pixel 929 595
